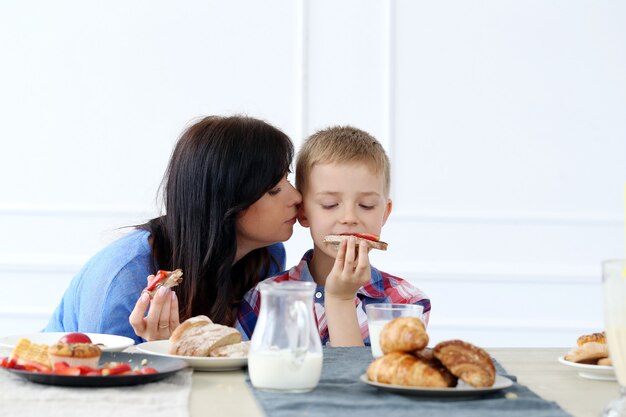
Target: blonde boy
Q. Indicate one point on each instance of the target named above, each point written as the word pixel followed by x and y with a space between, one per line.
pixel 344 176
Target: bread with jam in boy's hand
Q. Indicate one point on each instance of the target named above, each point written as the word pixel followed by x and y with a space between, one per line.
pixel 373 240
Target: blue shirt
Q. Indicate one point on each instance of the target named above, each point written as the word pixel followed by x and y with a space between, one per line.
pixel 102 295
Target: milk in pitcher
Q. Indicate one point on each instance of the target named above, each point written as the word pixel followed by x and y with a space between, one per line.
pixel 282 370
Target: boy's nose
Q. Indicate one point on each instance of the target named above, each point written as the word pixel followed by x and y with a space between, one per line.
pixel 349 216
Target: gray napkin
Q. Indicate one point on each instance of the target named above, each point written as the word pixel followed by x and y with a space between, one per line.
pixel 340 392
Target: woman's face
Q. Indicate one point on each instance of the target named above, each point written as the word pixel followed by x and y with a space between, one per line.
pixel 269 220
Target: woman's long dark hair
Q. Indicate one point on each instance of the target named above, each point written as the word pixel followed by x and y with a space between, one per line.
pixel 219 167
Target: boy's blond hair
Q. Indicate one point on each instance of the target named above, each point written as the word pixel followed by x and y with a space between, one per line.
pixel 342 144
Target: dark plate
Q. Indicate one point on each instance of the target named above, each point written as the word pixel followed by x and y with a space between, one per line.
pixel 164 366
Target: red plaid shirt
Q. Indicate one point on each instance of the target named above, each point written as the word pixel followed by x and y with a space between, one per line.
pixel 382 288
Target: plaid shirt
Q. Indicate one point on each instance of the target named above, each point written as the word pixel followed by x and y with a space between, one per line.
pixel 382 288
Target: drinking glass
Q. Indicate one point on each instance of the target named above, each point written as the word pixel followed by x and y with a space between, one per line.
pixel 614 290
pixel 379 314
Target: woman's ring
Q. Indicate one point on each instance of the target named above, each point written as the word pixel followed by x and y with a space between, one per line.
pixel 163 326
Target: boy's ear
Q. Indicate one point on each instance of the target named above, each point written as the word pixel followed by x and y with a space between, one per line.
pixel 387 211
pixel 302 219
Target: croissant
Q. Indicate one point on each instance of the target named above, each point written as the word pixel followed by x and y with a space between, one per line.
pixel 405 369
pixel 593 337
pixel 605 362
pixel 403 334
pixel 468 362
pixel 589 352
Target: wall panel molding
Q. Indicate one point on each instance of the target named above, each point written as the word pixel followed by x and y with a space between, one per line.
pixel 438 272
pixel 40 267
pixel 73 211
pixel 30 312
pixel 418 216
pixel 509 217
pixel 475 324
pixel 302 90
pixel 506 324
pixel 389 77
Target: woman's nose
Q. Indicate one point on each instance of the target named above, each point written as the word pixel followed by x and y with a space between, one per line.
pixel 296 196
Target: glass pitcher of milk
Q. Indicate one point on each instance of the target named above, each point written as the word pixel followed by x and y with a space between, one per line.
pixel 614 289
pixel 285 349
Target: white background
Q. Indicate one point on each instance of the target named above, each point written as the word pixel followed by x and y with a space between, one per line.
pixel 505 122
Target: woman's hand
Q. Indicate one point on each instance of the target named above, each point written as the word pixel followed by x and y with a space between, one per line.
pixel 162 318
pixel 350 272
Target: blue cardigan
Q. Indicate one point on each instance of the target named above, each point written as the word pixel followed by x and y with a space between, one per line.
pixel 102 295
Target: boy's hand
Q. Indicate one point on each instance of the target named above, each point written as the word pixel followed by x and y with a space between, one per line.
pixel 350 272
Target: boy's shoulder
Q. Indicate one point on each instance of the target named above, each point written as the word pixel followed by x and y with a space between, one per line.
pixel 394 289
pixel 283 276
pixel 299 272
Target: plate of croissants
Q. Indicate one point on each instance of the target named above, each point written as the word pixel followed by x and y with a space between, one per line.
pixel 453 368
pixel 204 345
pixel 590 357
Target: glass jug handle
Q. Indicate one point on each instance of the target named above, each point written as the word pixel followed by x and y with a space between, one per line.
pixel 298 352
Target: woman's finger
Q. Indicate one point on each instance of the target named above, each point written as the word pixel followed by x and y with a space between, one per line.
pixel 174 319
pixel 138 313
pixel 156 307
pixel 164 319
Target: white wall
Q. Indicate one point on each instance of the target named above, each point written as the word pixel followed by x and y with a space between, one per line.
pixel 504 121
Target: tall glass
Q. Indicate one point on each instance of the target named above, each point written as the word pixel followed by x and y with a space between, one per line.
pixel 614 289
pixel 380 314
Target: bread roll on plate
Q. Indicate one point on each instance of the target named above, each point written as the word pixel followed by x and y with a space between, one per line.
pixel 198 336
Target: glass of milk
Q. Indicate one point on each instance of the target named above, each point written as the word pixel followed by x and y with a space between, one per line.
pixel 380 314
pixel 285 348
pixel 614 289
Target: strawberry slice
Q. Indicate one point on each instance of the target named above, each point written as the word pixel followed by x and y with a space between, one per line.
pixel 147 370
pixel 58 366
pixel 117 369
pixel 33 366
pixel 69 371
pixel 5 363
pixel 95 372
pixel 365 236
pixel 85 370
pixel 159 277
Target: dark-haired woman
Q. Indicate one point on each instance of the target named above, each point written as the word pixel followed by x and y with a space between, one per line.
pixel 228 203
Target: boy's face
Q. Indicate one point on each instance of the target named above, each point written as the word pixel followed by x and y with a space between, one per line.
pixel 343 198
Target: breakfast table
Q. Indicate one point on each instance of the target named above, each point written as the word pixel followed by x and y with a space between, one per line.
pixel 229 394
pixel 544 387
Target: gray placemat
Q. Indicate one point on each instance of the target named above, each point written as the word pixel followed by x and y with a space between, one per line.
pixel 340 392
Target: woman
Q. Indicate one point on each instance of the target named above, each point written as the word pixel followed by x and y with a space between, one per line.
pixel 228 203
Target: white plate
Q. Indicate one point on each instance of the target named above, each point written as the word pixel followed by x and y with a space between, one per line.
pixel 462 390
pixel 201 363
pixel 109 342
pixel 599 372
